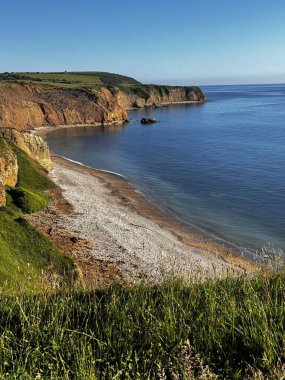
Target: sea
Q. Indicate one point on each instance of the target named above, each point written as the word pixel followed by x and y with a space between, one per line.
pixel 218 167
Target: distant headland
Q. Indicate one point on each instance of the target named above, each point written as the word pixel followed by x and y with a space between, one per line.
pixel 30 100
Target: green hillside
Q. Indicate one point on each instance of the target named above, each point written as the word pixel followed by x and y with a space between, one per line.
pixel 27 257
pixel 70 79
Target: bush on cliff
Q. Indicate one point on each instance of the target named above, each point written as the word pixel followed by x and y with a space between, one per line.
pixel 27 200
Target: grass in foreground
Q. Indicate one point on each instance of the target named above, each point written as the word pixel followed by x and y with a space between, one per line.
pixel 28 259
pixel 228 329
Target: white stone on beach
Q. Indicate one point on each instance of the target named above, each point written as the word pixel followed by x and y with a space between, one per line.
pixel 140 246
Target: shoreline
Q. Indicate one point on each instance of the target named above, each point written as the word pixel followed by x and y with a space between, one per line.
pixel 166 104
pixel 206 235
pixel 47 128
pixel 243 252
pixel 195 251
pixel 124 194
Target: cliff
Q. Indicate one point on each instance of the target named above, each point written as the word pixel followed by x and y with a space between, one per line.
pixel 155 95
pixel 34 146
pixel 31 100
pixel 25 106
pixel 8 165
pixel 8 170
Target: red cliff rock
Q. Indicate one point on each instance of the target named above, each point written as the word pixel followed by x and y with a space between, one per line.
pixel 8 170
pixel 25 106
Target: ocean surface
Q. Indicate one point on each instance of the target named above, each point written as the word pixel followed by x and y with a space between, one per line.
pixel 219 166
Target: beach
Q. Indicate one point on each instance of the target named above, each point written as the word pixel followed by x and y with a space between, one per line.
pixel 116 235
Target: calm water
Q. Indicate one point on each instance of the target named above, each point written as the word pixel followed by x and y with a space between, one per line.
pixel 219 166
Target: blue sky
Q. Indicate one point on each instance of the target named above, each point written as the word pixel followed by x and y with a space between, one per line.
pixel 161 41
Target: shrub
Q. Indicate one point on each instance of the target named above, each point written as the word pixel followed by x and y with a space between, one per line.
pixel 28 201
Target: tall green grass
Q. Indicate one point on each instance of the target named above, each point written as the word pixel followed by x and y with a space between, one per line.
pixel 232 328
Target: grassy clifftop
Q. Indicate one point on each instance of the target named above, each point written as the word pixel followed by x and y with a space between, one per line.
pixel 30 100
pixel 89 79
pixel 70 79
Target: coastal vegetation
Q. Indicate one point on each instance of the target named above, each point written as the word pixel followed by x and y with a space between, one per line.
pixel 144 90
pixel 93 79
pixel 51 327
pixel 27 257
pixel 71 79
pixel 231 328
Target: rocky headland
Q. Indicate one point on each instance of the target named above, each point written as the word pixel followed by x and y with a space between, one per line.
pixel 27 105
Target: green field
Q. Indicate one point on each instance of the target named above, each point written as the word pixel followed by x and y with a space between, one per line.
pixel 70 79
pixel 89 80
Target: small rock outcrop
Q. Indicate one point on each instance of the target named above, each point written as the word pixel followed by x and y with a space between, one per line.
pixel 148 120
pixel 34 146
pixel 8 170
pixel 2 194
pixel 8 166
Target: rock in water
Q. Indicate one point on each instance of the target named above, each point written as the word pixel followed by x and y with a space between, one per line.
pixel 148 120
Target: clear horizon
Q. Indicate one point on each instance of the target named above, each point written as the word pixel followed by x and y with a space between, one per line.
pixel 165 42
pixel 173 83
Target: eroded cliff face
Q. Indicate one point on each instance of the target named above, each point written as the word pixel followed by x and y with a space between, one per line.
pixel 8 166
pixel 2 194
pixel 149 96
pixel 27 106
pixel 24 107
pixel 8 170
pixel 34 146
